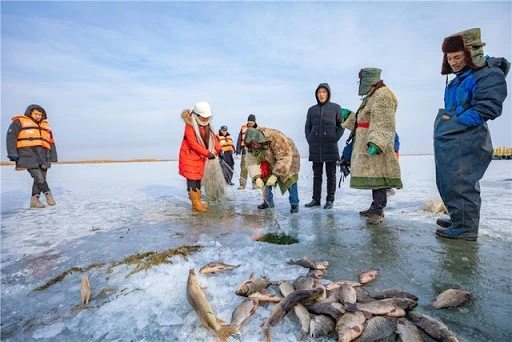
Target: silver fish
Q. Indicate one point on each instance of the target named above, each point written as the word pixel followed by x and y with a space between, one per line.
pixel 321 325
pixel 367 276
pixel 300 310
pixel 216 267
pixel 285 305
pixel 304 283
pixel 432 326
pixel 307 262
pixel 333 309
pixel 404 303
pixel 252 285
pixel 337 284
pixel 363 296
pixel 198 301
pixel 389 293
pixel 348 294
pixel 408 331
pixel 452 298
pixel 378 307
pixel 350 326
pixel 378 328
pixel 243 311
pixel 85 290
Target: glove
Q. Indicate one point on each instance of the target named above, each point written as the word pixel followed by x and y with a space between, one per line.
pixel 372 149
pixel 221 154
pixel 211 156
pixel 13 158
pixel 259 183
pixel 345 113
pixel 271 181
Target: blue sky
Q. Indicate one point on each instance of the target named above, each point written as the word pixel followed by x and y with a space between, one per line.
pixel 115 76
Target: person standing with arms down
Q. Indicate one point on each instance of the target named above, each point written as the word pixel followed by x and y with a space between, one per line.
pixel 226 161
pixel 241 149
pixel 374 165
pixel 199 143
pixel 462 141
pixel 31 145
pixel 323 130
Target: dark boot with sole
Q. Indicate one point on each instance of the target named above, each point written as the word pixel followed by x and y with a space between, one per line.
pixel 375 219
pixel 265 205
pixel 294 209
pixel 313 203
pixel 458 233
pixel 328 205
pixel 445 223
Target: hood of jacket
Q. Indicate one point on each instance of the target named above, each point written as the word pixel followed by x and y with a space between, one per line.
pixel 35 106
pixel 326 86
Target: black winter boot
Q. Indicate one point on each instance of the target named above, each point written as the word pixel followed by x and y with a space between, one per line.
pixel 313 203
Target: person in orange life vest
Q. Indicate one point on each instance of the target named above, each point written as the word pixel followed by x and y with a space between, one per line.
pixel 242 149
pixel 226 161
pixel 199 144
pixel 31 146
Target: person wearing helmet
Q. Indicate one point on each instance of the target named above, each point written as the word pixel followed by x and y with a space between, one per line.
pixel 462 141
pixel 199 144
pixel 226 161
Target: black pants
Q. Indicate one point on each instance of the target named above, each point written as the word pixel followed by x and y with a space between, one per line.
pixel 380 200
pixel 40 184
pixel 330 171
pixel 193 185
pixel 227 164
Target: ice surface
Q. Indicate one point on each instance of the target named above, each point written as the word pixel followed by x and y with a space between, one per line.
pixel 106 212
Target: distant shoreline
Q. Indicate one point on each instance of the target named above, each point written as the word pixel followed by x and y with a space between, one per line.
pixel 102 161
pixel 150 160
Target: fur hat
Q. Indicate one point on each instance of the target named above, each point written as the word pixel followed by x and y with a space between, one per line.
pixel 468 41
pixel 202 109
pixel 251 117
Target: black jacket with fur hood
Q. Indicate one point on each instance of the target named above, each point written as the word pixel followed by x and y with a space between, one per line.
pixel 29 157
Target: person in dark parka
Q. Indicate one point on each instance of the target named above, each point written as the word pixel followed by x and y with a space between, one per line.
pixel 31 146
pixel 462 141
pixel 323 130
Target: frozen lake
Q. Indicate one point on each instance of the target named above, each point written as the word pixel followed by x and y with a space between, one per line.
pixel 106 212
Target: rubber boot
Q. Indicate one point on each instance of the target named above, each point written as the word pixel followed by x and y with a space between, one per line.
pixel 35 202
pixel 200 201
pixel 196 201
pixel 375 219
pixel 49 198
pixel 458 233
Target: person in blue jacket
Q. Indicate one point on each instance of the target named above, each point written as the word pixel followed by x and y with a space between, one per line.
pixel 462 142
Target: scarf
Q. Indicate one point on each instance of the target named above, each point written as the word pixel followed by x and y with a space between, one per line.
pixel 209 131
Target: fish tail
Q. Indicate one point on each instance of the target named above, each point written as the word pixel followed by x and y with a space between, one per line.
pixel 225 331
pixel 266 334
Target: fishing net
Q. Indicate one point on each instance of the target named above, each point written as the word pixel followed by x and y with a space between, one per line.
pixel 436 206
pixel 213 181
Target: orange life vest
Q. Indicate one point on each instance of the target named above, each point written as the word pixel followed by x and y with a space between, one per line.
pixel 33 134
pixel 226 143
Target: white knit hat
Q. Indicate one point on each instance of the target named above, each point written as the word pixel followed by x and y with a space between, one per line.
pixel 202 109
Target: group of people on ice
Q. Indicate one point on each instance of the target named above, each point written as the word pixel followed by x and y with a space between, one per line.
pixel 462 142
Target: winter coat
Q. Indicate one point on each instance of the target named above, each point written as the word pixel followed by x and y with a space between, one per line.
pixel 462 141
pixel 323 129
pixel 193 155
pixel 376 120
pixel 34 156
pixel 240 142
pixel 282 156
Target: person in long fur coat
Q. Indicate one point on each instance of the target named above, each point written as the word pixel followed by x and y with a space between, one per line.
pixel 374 165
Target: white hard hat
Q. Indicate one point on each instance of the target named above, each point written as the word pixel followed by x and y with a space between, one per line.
pixel 202 109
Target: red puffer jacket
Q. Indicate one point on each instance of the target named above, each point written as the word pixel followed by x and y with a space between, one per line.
pixel 193 155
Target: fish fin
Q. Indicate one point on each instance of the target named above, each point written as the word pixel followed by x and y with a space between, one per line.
pixel 251 276
pixel 225 331
pixel 367 314
pixel 203 287
pixel 351 307
pixel 220 321
pixel 235 266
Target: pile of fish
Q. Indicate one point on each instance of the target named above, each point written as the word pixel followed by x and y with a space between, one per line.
pixel 343 307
